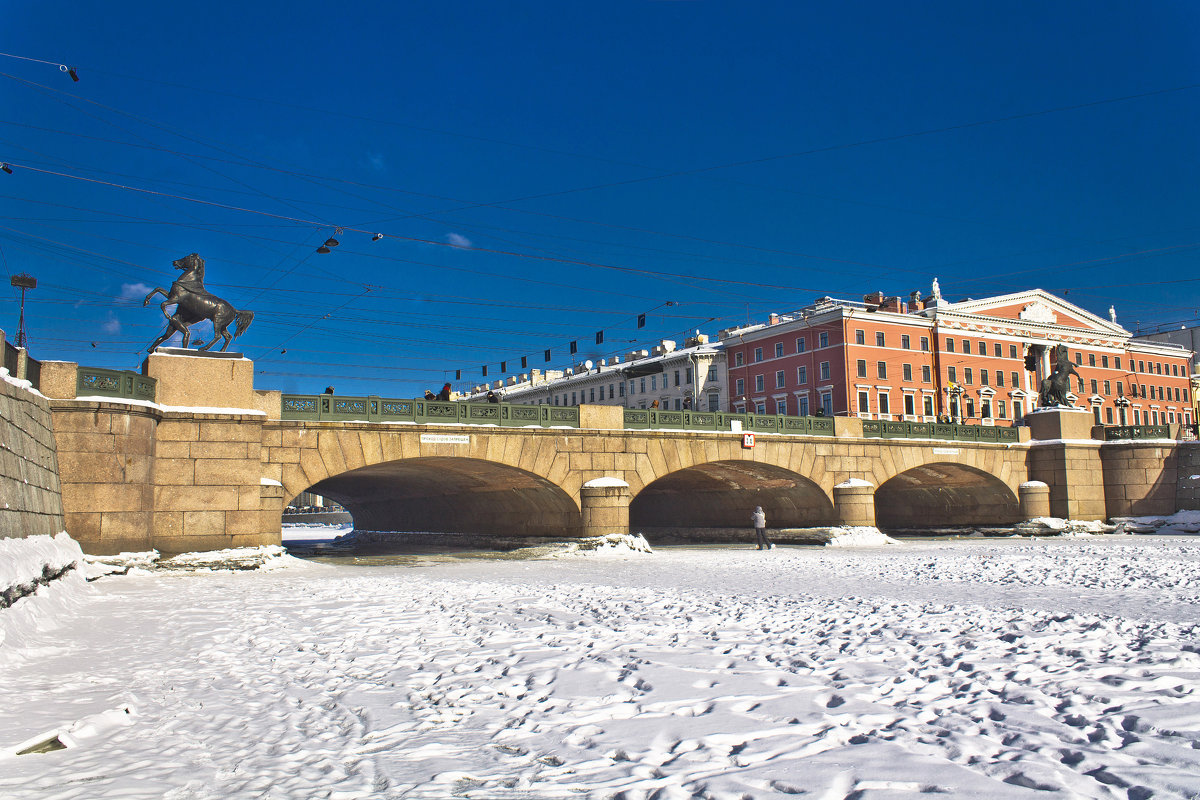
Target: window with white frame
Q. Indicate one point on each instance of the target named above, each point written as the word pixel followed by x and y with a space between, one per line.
pixel 779 379
pixel 824 370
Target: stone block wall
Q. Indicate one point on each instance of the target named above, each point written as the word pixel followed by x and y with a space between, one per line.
pixel 1141 479
pixel 30 495
pixel 1187 483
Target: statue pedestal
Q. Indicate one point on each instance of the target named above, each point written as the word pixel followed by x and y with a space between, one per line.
pixel 206 380
pixel 1060 422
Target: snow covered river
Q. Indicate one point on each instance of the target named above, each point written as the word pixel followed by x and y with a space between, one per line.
pixel 989 669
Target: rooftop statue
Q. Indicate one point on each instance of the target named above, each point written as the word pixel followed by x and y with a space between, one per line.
pixel 1056 387
pixel 194 303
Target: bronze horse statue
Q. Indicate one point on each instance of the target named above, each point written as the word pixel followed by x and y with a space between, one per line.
pixel 1056 387
pixel 194 303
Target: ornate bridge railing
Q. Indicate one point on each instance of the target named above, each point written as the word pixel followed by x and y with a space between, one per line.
pixel 884 429
pixel 340 408
pixel 1113 433
pixel 95 381
pixel 655 419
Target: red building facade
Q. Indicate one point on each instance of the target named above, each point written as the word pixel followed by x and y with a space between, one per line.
pixel 978 361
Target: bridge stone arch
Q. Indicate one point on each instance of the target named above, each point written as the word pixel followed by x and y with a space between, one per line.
pixel 944 493
pixel 714 499
pixel 502 481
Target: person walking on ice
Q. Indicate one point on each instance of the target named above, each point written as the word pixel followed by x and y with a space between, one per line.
pixel 760 529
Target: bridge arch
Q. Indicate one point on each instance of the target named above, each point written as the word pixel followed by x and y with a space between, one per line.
pixel 452 494
pixel 719 495
pixel 940 493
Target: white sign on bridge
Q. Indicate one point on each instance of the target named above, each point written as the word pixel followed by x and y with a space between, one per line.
pixel 445 438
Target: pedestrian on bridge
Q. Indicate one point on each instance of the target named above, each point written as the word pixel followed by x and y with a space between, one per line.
pixel 444 394
pixel 760 529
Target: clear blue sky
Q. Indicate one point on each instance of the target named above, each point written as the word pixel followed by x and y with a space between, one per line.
pixel 542 171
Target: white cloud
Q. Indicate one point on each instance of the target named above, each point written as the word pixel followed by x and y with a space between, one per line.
pixel 458 240
pixel 134 291
pixel 112 324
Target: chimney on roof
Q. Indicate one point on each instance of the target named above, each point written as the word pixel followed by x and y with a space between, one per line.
pixel 893 304
pixel 874 299
pixel 773 319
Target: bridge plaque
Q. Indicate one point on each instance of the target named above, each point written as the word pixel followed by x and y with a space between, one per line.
pixel 445 438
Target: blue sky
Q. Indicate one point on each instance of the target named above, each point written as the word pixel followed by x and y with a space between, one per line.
pixel 543 171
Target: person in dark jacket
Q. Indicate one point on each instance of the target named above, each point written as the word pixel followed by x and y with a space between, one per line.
pixel 430 395
pixel 759 519
pixel 444 394
pixel 492 397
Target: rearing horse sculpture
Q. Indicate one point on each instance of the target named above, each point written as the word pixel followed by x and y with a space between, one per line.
pixel 1057 385
pixel 194 303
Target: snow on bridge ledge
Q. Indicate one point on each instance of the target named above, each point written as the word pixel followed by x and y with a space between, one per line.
pixel 605 483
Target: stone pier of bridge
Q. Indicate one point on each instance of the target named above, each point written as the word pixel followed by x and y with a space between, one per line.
pixel 210 463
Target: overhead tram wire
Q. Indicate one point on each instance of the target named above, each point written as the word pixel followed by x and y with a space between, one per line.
pixel 792 155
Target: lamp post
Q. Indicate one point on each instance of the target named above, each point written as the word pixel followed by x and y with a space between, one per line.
pixel 23 282
pixel 956 393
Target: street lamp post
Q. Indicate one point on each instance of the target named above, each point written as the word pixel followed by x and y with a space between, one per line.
pixel 23 282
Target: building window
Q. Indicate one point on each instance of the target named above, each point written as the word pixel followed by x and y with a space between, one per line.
pixel 910 405
pixel 1116 362
pixel 926 376
pixel 803 406
pixel 883 404
pixel 983 378
pixel 677 378
pixel 573 401
pixel 999 378
pixel 737 358
pixel 824 370
pixel 800 345
pixel 1078 359
pixel 967 377
pixel 864 403
pixel 881 369
pixel 1107 388
pixel 966 346
pixel 860 337
pixel 781 407
pixel 949 345
pixel 712 373
pixel 862 368
pixel 1141 366
pixel 1108 418
pixel 1012 351
pixel 1104 361
pixel 687 376
pixel 741 387
pixel 927 402
pixel 925 344
pixel 1091 359
pixel 757 354
pixel 824 339
pixel 1095 389
pixel 1016 382
pixel 905 341
pixel 985 409
pixel 827 403
pixel 760 408
pixel 759 383
pixel 952 374
pixel 592 394
pixel 907 370
pixel 779 349
pixel 801 375
pixel 1001 411
pixel 654 382
pixel 714 402
pixel 779 381
pixel 642 385
pixel 621 389
pixel 999 351
pixel 879 339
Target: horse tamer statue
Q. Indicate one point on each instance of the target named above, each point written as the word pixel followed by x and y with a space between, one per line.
pixel 194 303
pixel 1056 387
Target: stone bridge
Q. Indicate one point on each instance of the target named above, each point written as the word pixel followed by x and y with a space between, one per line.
pixel 211 462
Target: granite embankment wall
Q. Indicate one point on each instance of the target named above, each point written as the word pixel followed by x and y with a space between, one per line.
pixel 30 495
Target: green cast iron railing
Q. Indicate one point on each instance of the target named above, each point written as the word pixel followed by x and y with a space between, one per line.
pixel 885 429
pixel 334 408
pixel 658 419
pixel 1115 432
pixel 93 381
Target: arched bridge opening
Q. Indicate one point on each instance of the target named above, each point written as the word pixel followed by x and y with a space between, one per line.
pixel 941 495
pixel 453 495
pixel 713 502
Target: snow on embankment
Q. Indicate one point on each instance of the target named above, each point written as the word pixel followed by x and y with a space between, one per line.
pixel 39 576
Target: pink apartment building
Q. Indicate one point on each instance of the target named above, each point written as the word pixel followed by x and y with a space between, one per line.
pixel 977 361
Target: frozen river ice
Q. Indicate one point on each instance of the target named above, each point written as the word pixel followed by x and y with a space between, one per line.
pixel 991 669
